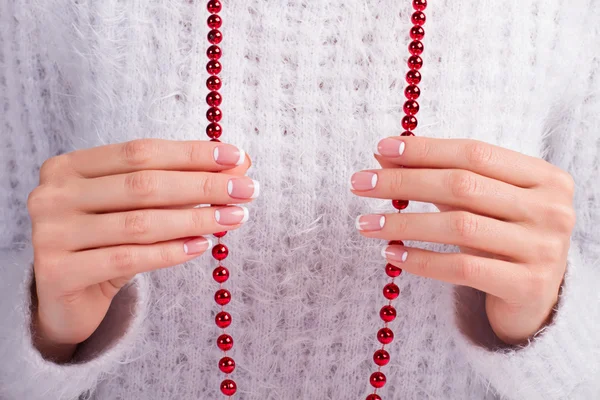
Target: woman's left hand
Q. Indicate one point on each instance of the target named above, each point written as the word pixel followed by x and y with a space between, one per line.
pixel 510 214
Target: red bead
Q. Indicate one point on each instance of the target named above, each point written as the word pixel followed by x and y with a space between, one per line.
pixel 222 297
pixel 221 274
pixel 415 62
pixel 387 313
pixel 409 122
pixel 214 130
pixel 385 336
pixel 225 342
pixel 396 243
pixel 214 67
pixel 220 234
pixel 419 5
pixel 214 22
pixel 400 204
pixel 214 52
pixel 215 36
pixel 214 6
pixel 220 251
pixel 418 18
pixel 215 140
pixel 411 107
pixel 381 357
pixel 416 48
pixel 417 33
pixel 223 319
pixel 373 396
pixel 412 92
pixel 213 83
pixel 392 271
pixel 407 133
pixel 377 380
pixel 413 77
pixel 228 387
pixel 226 365
pixel 214 99
pixel 391 291
pixel 214 114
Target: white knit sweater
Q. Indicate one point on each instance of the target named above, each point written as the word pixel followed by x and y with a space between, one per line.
pixel 309 88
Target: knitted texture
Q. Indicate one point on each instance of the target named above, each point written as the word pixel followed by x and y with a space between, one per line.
pixel 309 89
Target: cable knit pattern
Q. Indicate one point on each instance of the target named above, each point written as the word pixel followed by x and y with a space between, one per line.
pixel 309 88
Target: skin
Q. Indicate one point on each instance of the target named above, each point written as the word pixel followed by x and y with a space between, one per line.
pixel 511 216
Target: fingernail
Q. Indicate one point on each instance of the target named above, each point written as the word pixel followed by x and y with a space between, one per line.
pixel 243 188
pixel 226 154
pixel 395 253
pixel 391 147
pixel 364 181
pixel 232 215
pixel 370 223
pixel 197 245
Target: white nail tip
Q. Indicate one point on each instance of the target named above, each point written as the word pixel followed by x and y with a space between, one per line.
pixel 216 153
pixel 210 242
pixel 246 215
pixel 185 248
pixel 256 189
pixel 382 221
pixel 242 157
pixel 357 223
pixel 402 147
pixel 384 252
pixel 404 256
pixel 217 215
pixel 374 181
pixel 230 187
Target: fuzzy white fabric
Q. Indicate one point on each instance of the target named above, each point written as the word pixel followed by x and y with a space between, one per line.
pixel 310 86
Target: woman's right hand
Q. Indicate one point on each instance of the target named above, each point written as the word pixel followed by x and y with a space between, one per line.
pixel 102 215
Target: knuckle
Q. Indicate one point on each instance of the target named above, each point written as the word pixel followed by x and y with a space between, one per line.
pixel 424 150
pixel 139 152
pixel 53 166
pixel 462 184
pixel 469 269
pixel 561 216
pixel 422 266
pixel 535 285
pixel 550 249
pixel 123 260
pixel 207 185
pixel 479 153
pixel 167 256
pixel 142 183
pixel 464 224
pixel 394 180
pixel 198 221
pixel 566 182
pixel 36 201
pixel 137 223
pixel 194 152
pixel 44 199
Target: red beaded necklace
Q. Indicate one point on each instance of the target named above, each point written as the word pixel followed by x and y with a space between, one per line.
pixel 391 291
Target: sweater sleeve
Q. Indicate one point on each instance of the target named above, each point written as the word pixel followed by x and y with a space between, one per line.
pixel 24 373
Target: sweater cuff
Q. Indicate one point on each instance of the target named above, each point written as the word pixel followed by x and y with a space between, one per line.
pixel 24 373
pixel 562 360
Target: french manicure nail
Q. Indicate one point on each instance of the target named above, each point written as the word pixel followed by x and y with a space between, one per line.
pixel 391 147
pixel 243 188
pixel 370 223
pixel 231 215
pixel 395 253
pixel 364 180
pixel 226 154
pixel 197 245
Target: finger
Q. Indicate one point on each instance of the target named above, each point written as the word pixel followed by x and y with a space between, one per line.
pixel 499 278
pixel 482 158
pixel 152 189
pixel 89 267
pixel 452 187
pixel 156 154
pixel 458 228
pixel 153 226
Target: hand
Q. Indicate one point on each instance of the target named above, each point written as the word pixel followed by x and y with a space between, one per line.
pixel 510 214
pixel 100 216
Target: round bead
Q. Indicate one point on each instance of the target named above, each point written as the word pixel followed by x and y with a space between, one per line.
pixel 213 83
pixel 215 140
pixel 214 6
pixel 381 357
pixel 214 22
pixel 214 114
pixel 222 297
pixel 387 313
pixel 215 36
pixel 391 291
pixel 417 32
pixel 228 387
pixel 416 48
pixel 214 67
pixel 415 62
pixel 400 204
pixel 409 123
pixel 407 133
pixel 418 18
pixel 412 92
pixel 411 107
pixel 214 99
pixel 373 396
pixel 413 77
pixel 220 251
pixel 214 52
pixel 385 336
pixel 225 342
pixel 226 365
pixel 220 234
pixel 419 5
pixel 396 243
pixel 223 319
pixel 214 130
pixel 221 274
pixel 377 380
pixel 392 271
